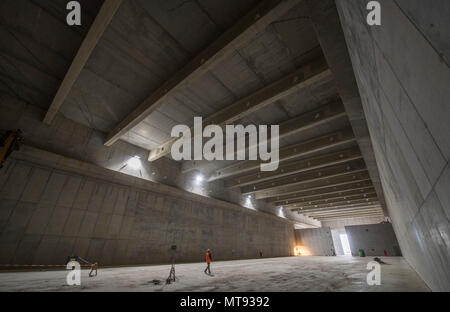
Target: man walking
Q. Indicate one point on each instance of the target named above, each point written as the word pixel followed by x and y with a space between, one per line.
pixel 208 262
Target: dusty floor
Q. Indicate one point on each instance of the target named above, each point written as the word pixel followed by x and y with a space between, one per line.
pixel 274 274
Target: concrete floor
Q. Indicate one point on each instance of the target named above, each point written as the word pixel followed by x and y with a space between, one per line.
pixel 274 274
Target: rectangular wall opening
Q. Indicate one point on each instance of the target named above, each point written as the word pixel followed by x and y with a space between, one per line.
pixel 345 244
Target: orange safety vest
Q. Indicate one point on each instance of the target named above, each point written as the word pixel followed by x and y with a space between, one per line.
pixel 208 259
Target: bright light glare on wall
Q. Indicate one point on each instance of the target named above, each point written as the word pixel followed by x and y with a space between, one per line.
pixel 199 178
pixel 134 162
pixel 301 251
pixel 248 201
pixel 281 212
pixel 345 244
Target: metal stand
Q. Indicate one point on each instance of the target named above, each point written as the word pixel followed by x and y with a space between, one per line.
pixel 92 266
pixel 172 277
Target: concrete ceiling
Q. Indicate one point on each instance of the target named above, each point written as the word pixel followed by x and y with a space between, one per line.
pixel 143 47
pixel 148 42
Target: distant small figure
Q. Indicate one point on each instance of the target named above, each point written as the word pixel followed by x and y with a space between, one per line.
pixel 208 262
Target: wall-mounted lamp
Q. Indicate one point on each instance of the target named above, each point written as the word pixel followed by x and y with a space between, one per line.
pixel 199 178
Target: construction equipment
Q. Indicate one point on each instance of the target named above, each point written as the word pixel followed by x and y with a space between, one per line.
pixel 10 141
pixel 172 277
pixel 92 266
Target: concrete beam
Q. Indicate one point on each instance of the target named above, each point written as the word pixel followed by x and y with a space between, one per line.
pixel 305 177
pixel 326 209
pixel 303 77
pixel 289 127
pixel 347 213
pixel 297 167
pixel 351 215
pixel 326 200
pixel 369 198
pixel 349 203
pixel 311 119
pixel 342 210
pixel 296 200
pixel 327 25
pixel 336 200
pixel 101 22
pixel 378 212
pixel 316 185
pixel 286 153
pixel 330 190
pixel 266 12
pixel 338 217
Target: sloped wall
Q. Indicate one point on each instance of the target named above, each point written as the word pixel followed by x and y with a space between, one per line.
pixel 403 76
pixel 68 138
pixel 52 207
pixel 318 241
pixel 335 234
pixel 374 239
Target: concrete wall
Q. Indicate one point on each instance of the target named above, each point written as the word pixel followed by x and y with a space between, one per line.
pixel 53 206
pixel 125 67
pixel 341 223
pixel 68 138
pixel 318 241
pixel 375 239
pixel 403 75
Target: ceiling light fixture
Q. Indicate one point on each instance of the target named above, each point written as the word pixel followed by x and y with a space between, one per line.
pixel 134 162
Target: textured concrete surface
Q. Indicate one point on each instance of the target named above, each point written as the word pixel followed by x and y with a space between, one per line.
pixel 318 242
pixel 403 78
pixel 335 234
pixel 141 48
pixel 341 223
pixel 328 28
pixel 81 143
pixel 81 197
pixel 422 13
pixel 144 45
pixel 71 140
pixel 32 61
pixel 50 212
pixel 375 239
pixel 276 274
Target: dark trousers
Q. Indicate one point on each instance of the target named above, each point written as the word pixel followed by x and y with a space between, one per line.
pixel 207 268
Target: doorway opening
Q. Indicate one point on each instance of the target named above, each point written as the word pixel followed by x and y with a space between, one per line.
pixel 345 244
